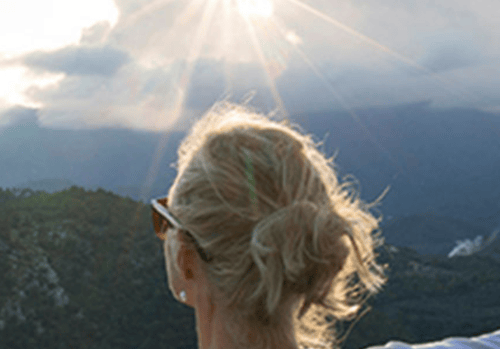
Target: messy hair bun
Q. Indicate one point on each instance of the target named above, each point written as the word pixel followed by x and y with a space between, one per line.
pixel 287 238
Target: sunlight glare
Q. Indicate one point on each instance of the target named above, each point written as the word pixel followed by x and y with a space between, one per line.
pixel 29 25
pixel 255 8
pixel 15 81
pixel 293 38
pixel 268 66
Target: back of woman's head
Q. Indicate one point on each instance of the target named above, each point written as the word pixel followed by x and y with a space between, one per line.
pixel 287 238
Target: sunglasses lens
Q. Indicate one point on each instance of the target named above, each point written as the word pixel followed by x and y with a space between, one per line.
pixel 161 225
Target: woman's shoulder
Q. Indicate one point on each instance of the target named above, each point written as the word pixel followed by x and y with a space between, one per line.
pixel 485 341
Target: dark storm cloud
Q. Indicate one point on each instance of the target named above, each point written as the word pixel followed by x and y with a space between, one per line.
pixel 79 60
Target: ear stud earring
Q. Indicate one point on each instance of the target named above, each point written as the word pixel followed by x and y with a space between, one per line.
pixel 183 296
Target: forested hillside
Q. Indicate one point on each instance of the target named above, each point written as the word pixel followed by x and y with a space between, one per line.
pixel 83 269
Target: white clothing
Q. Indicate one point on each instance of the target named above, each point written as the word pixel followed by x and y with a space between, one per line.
pixel 485 341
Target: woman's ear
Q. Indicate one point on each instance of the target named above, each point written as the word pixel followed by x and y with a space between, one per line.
pixel 187 261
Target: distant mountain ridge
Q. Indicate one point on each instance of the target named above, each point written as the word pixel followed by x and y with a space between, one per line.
pixel 440 161
pixel 444 161
pixel 430 233
pixel 48 185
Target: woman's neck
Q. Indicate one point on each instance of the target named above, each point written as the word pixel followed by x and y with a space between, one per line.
pixel 212 333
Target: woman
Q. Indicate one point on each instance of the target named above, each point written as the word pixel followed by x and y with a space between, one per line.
pixel 260 237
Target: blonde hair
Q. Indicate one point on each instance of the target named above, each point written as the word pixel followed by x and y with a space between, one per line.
pixel 267 205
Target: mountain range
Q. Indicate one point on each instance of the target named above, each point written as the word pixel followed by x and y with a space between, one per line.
pixel 441 165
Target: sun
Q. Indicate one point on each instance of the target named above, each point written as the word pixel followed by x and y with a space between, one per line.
pixel 255 8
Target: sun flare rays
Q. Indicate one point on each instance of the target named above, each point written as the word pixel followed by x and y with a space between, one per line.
pixel 182 90
pixel 267 68
pixel 450 86
pixel 269 45
pixel 341 100
pixel 251 31
pixel 255 8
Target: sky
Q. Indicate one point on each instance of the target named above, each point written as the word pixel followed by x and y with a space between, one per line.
pixel 156 64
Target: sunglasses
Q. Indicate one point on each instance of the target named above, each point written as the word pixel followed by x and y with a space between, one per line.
pixel 164 220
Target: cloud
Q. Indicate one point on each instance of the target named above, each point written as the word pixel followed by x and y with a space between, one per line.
pixel 145 98
pixel 417 30
pixel 79 60
pixel 18 116
pixel 452 49
pixel 138 97
pixel 448 58
pixel 131 74
pixel 134 98
pixel 95 34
